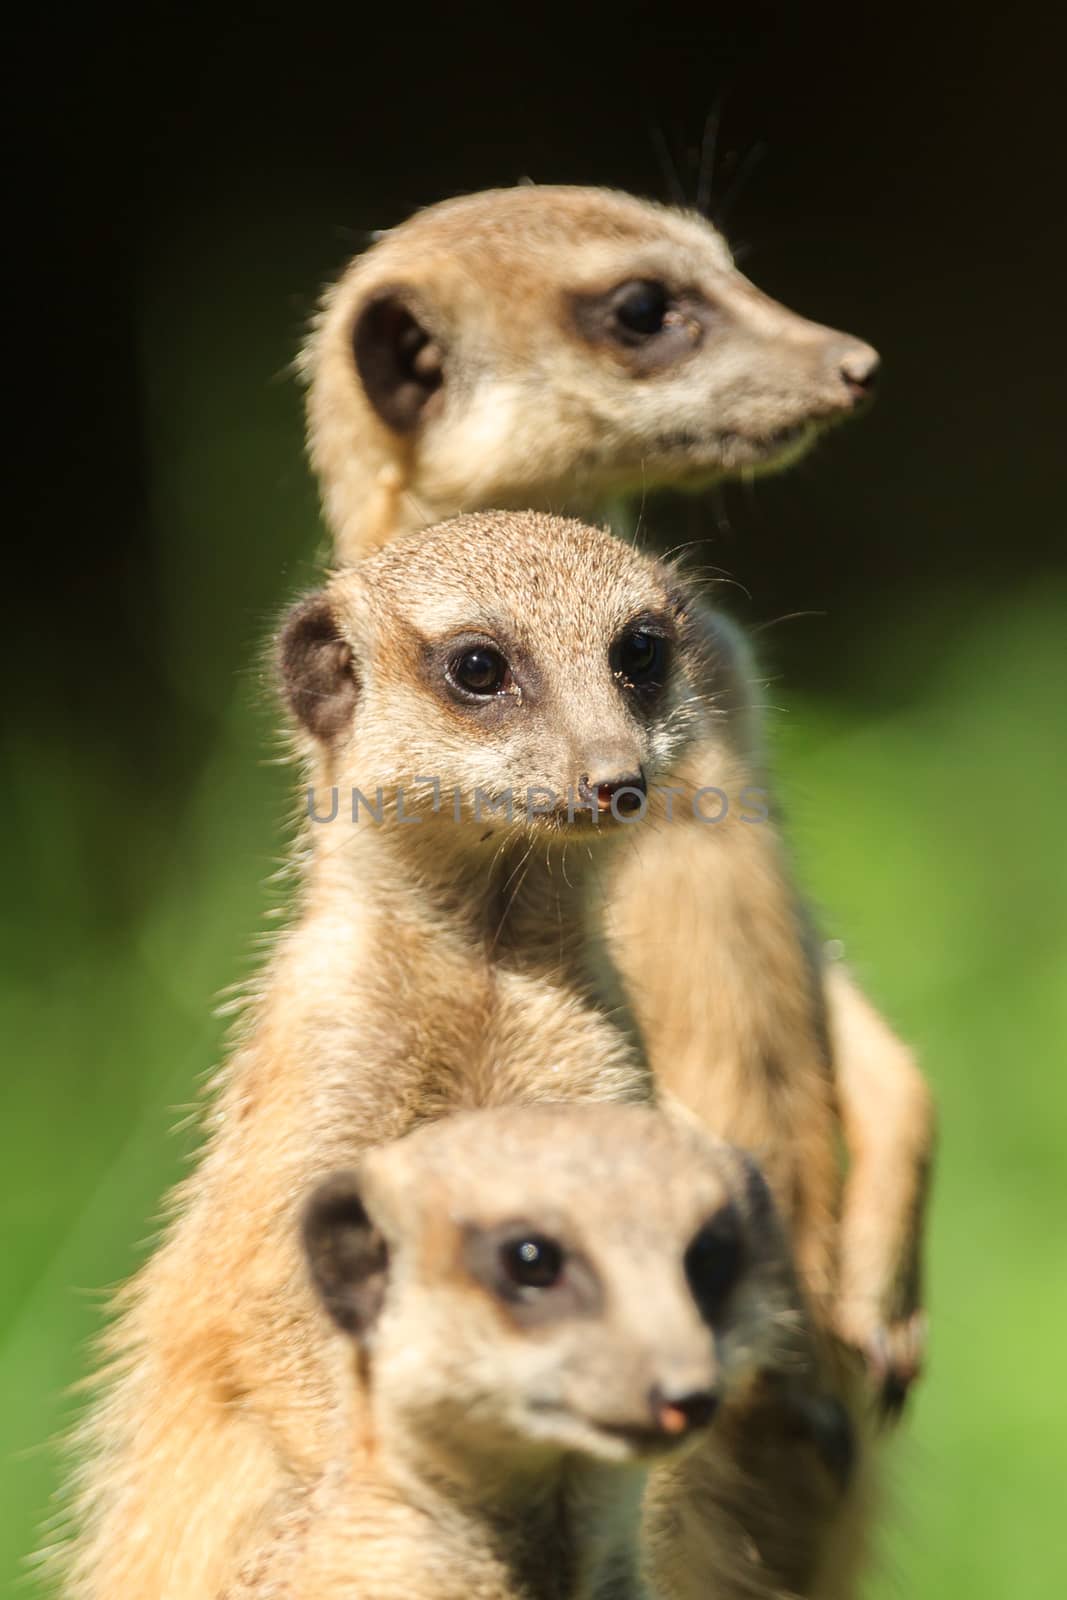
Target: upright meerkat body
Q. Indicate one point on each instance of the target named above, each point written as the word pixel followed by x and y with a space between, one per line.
pixel 565 347
pixel 452 368
pixel 503 1392
pixel 440 960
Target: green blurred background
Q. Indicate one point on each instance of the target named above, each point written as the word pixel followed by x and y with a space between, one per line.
pixel 191 181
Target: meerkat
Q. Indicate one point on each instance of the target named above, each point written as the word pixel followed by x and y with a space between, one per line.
pixel 554 345
pixel 503 1392
pixel 481 707
pixel 572 347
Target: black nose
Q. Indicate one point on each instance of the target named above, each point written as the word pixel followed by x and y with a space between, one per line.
pixel 628 793
pixel 678 1413
pixel 859 369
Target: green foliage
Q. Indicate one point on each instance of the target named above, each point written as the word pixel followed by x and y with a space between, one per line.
pixel 936 841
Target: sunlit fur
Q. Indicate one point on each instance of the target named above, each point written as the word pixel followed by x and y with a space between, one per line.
pixel 428 969
pixel 707 929
pixel 530 412
pixel 473 1456
pixel 731 981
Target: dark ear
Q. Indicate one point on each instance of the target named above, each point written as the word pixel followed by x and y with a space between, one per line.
pixel 764 1230
pixel 346 1254
pixel 759 1202
pixel 317 669
pixel 399 362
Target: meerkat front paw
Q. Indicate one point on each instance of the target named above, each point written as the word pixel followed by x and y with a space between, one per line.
pixel 894 1355
pixel 892 1352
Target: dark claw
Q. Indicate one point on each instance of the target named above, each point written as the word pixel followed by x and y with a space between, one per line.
pixel 893 1394
pixel 894 1359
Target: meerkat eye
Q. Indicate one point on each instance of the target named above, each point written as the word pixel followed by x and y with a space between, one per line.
pixel 713 1262
pixel 532 1262
pixel 481 671
pixel 640 659
pixel 641 307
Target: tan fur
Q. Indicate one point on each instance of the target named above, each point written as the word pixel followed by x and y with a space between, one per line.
pixel 550 421
pixel 533 412
pixel 707 928
pixel 888 1116
pixel 432 966
pixel 477 1455
pixel 743 1022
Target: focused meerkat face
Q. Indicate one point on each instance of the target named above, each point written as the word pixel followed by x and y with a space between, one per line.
pixel 556 346
pixel 538 671
pixel 536 1281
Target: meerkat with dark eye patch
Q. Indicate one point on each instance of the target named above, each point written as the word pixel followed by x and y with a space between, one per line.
pixel 541 1310
pixel 554 346
pixel 569 347
pixel 444 957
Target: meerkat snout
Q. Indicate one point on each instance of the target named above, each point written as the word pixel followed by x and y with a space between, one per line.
pixel 676 1412
pixel 546 1280
pixel 513 669
pixel 858 365
pixel 610 786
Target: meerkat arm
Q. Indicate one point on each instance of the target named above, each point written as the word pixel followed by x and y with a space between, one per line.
pixel 888 1119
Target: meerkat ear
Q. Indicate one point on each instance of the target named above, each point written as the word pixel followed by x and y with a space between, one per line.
pixel 317 668
pixel 346 1254
pixel 759 1201
pixel 400 363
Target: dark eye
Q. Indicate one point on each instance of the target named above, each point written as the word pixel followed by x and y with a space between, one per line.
pixel 641 307
pixel 641 659
pixel 713 1262
pixel 532 1262
pixel 480 671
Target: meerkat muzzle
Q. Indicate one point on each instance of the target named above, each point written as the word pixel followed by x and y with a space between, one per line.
pixel 625 795
pixel 677 1414
pixel 858 365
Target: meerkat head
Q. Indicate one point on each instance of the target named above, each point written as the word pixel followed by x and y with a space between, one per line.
pixel 538 1281
pixel 505 669
pixel 555 346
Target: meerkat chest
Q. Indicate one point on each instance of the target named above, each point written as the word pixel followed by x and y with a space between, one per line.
pixel 545 1040
pixel 435 1024
pixel 494 1036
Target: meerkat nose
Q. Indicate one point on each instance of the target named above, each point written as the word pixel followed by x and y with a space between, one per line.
pixel 858 365
pixel 678 1413
pixel 628 792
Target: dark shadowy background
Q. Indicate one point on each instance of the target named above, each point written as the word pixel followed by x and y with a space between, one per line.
pixel 189 180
